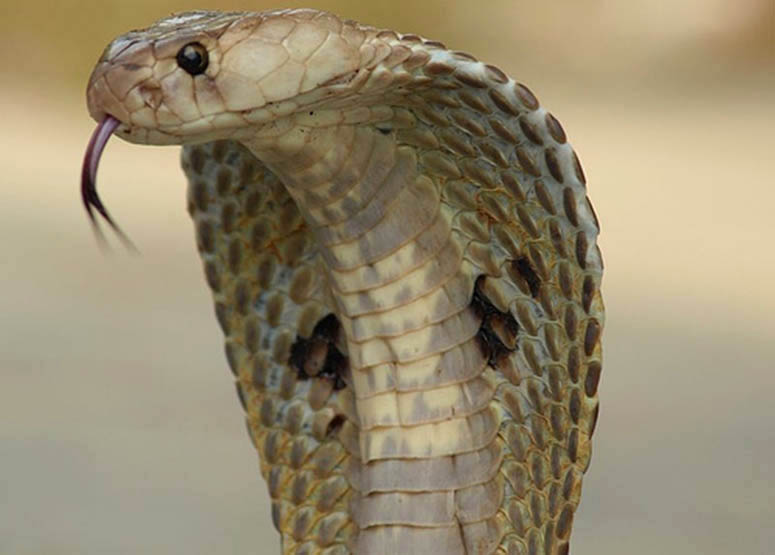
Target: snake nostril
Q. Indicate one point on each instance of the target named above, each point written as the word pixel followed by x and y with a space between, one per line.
pixel 152 96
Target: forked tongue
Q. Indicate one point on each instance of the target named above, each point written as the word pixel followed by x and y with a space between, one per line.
pixel 91 200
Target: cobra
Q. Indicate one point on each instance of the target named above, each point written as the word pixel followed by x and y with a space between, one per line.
pixel 403 261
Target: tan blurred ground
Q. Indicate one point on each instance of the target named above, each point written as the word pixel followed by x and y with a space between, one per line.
pixel 119 428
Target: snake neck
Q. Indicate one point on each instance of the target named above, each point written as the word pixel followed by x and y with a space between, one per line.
pixel 385 240
pixel 402 292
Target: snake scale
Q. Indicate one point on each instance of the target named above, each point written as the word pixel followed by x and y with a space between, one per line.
pixel 403 261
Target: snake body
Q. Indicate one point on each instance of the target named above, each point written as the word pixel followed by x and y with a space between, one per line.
pixel 403 261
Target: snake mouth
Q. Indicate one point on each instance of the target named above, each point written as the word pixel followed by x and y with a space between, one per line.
pixel 89 196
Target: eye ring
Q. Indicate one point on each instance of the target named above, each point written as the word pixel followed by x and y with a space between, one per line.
pixel 193 58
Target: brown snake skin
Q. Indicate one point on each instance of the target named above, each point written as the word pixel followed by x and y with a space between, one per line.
pixel 404 264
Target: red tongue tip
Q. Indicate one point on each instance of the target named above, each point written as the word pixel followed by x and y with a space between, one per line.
pixel 91 200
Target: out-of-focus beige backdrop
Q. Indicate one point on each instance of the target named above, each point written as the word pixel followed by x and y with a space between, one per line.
pixel 120 431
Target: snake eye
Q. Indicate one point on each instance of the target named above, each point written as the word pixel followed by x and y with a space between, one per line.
pixel 193 58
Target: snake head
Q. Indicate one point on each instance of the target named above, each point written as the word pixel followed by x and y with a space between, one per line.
pixel 201 76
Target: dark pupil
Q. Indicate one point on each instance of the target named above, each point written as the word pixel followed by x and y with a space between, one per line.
pixel 193 58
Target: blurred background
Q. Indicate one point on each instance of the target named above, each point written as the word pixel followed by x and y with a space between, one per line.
pixel 120 431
